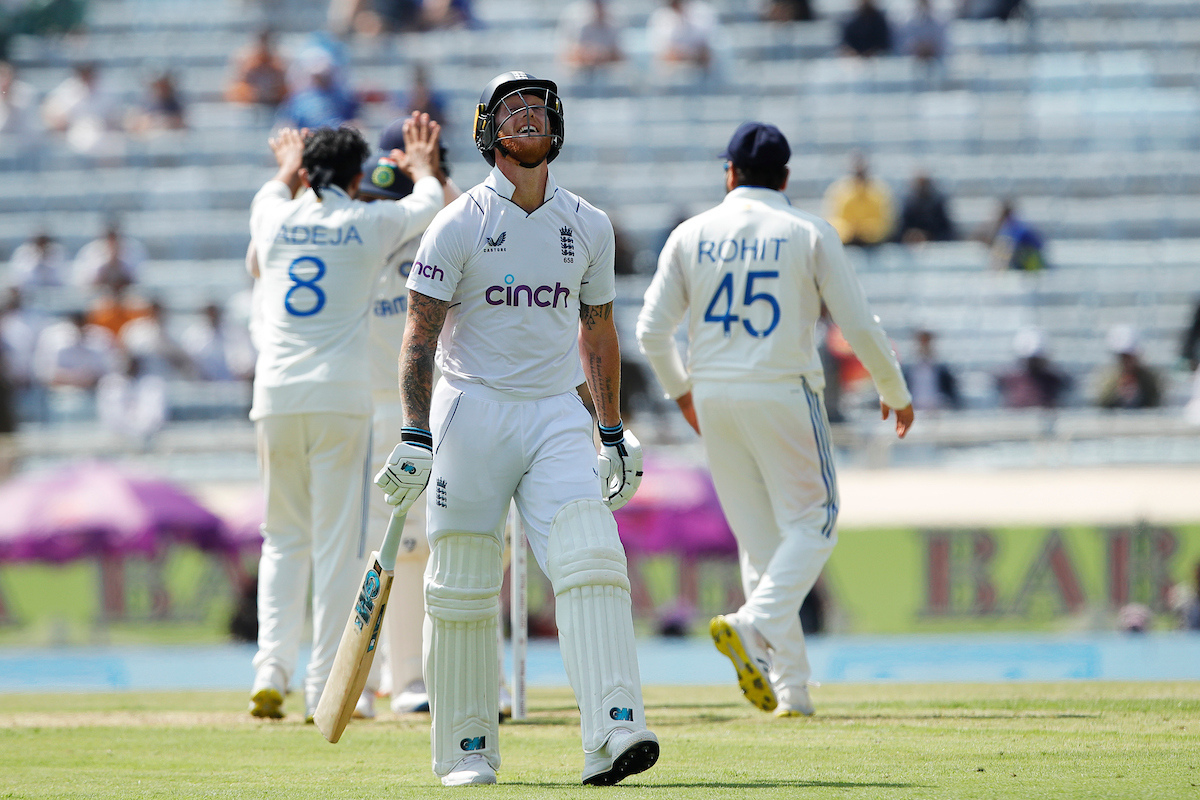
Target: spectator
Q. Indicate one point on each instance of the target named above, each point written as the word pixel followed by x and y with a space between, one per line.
pixel 325 102
pixel 219 351
pixel 161 109
pixel 860 207
pixel 1014 243
pixel 19 331
pixel 422 97
pixel 446 13
pixel 72 354
pixel 83 109
pixel 866 32
pixel 1127 383
pixel 923 36
pixel 1190 351
pixel 113 307
pixel 992 9
pixel 260 74
pixel 924 216
pixel 18 104
pixel 148 339
pixel 373 17
pixel 131 402
pixel 1034 382
pixel 681 32
pixel 113 261
pixel 788 11
pixel 38 262
pixel 588 41
pixel 931 382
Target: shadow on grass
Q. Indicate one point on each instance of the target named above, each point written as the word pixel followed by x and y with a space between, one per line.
pixel 763 784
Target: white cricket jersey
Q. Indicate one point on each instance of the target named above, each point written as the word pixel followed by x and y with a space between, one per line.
pixel 318 261
pixel 750 275
pixel 389 307
pixel 514 282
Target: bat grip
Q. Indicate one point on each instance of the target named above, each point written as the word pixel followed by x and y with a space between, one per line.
pixel 391 540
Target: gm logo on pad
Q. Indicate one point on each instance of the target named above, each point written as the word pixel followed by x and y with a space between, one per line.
pixel 473 743
pixel 621 714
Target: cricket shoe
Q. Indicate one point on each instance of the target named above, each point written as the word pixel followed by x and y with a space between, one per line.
pixel 625 753
pixel 472 769
pixel 413 700
pixel 266 695
pixel 745 648
pixel 311 698
pixel 506 703
pixel 794 703
pixel 365 707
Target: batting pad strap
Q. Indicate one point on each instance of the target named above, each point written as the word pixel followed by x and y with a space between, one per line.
pixel 464 576
pixel 593 566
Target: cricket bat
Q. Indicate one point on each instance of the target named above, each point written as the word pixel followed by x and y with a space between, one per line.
pixel 356 651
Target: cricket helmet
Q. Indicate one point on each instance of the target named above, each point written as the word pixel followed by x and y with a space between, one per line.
pixel 501 99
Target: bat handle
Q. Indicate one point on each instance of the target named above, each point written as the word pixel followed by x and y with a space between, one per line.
pixel 391 540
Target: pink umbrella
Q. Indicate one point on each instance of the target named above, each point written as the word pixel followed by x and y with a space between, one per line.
pixel 98 509
pixel 675 510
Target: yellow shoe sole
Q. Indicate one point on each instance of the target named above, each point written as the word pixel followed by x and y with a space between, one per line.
pixel 267 703
pixel 755 686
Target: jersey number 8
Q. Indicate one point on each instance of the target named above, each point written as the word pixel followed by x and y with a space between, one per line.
pixel 724 296
pixel 305 285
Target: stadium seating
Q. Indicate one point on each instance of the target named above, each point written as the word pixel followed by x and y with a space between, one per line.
pixel 1088 113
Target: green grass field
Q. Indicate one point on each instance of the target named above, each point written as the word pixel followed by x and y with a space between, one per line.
pixel 1062 740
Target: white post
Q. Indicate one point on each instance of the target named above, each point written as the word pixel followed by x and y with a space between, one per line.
pixel 519 613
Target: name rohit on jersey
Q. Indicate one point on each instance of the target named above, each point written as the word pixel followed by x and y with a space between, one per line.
pixel 739 250
pixel 318 235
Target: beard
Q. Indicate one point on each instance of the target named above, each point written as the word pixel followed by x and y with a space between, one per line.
pixel 528 149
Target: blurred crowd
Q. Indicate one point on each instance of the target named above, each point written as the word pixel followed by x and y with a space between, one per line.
pixel 111 358
pixel 123 345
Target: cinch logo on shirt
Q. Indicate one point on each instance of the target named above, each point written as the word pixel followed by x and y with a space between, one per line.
pixel 522 295
pixel 428 271
pixel 317 234
pixel 739 249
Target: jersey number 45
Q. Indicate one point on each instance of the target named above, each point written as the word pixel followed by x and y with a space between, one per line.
pixel 725 297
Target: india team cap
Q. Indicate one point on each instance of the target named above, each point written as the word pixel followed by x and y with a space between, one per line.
pixel 756 145
pixel 381 175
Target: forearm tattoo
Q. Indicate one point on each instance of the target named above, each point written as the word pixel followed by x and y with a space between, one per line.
pixel 590 316
pixel 425 318
pixel 602 366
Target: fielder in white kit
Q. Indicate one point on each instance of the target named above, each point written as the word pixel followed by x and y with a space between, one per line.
pixel 383 180
pixel 750 276
pixel 318 257
pixel 513 287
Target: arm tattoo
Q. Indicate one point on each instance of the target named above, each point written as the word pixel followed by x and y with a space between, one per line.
pixel 425 318
pixel 601 361
pixel 589 316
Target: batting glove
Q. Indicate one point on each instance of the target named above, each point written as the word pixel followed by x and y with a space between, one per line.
pixel 619 465
pixel 407 471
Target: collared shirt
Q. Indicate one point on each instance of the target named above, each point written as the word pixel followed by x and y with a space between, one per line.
pixel 514 281
pixel 318 262
pixel 750 275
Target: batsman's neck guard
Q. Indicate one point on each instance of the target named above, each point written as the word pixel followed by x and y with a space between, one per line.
pixel 502 98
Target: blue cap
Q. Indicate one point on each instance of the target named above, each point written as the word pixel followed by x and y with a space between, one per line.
pixel 382 177
pixel 756 145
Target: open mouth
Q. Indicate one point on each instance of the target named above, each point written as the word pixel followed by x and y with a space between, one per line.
pixel 529 129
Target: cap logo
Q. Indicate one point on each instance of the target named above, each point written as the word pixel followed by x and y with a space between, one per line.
pixel 384 174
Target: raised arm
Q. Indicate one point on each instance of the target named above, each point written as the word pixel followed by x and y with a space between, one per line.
pixel 600 353
pixel 425 318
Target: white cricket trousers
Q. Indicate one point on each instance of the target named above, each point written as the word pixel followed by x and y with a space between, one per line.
pixel 406 605
pixel 771 459
pixel 314 475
